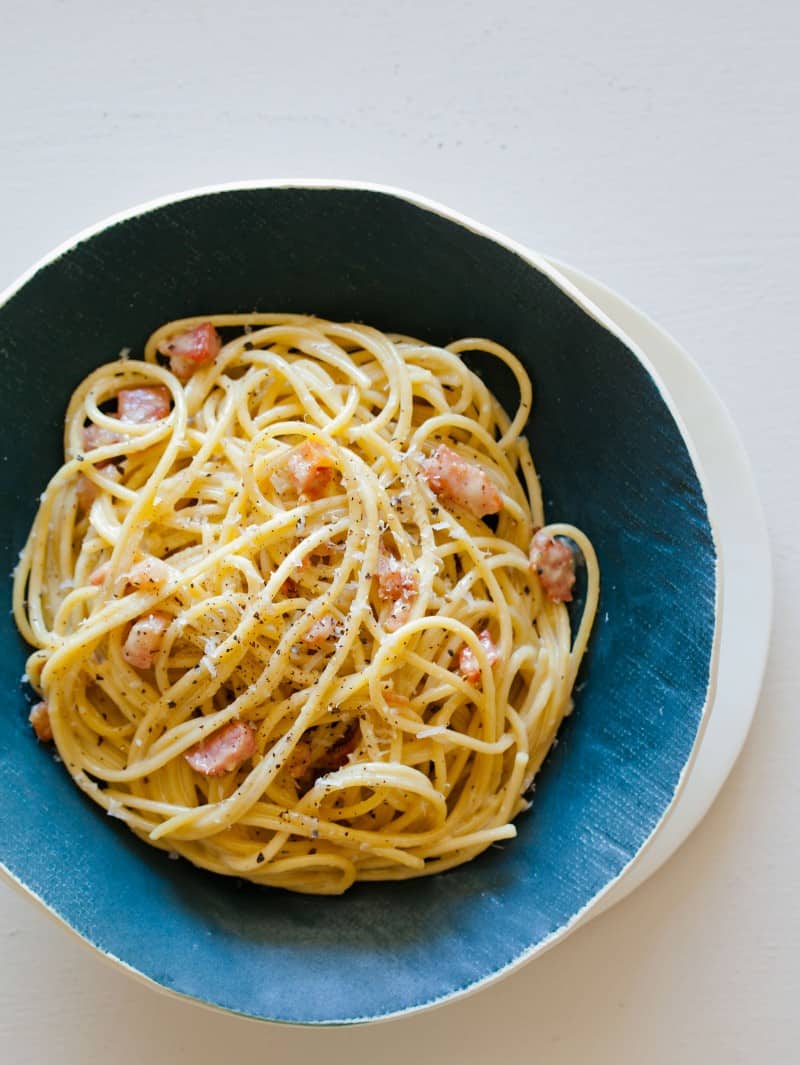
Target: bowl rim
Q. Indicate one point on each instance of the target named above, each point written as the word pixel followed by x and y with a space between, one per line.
pixel 544 266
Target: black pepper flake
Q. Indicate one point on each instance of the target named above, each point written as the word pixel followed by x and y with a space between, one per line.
pixel 172 704
pixel 259 856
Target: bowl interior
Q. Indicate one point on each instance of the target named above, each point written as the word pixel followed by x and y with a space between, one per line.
pixel 611 460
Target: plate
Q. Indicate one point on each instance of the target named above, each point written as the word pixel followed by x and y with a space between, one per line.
pixel 747 598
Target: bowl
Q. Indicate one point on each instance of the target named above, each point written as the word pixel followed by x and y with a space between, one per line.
pixel 613 458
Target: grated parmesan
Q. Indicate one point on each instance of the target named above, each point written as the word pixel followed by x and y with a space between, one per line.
pixel 206 661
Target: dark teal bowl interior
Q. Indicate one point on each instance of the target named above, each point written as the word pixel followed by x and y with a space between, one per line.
pixel 612 460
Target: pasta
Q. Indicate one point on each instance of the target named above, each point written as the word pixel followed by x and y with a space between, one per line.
pixel 297 614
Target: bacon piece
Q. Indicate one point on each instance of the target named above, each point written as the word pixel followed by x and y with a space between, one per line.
pixel 39 717
pixel 94 436
pixel 290 588
pixel 395 580
pixel 468 665
pixel 98 576
pixel 397 583
pixel 456 480
pixel 135 405
pixel 320 632
pixel 149 575
pixel 140 405
pixel 311 468
pixel 88 491
pixel 191 350
pixel 322 750
pixel 145 639
pixel 394 698
pixel 398 615
pixel 554 563
pixel 224 750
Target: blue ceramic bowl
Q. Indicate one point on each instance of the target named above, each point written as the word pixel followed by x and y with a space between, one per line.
pixel 612 459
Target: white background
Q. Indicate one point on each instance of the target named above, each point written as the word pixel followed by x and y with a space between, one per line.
pixel 654 145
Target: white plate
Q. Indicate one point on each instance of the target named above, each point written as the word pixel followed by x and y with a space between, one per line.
pixel 747 577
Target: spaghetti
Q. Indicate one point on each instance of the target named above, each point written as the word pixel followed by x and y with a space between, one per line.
pixel 297 614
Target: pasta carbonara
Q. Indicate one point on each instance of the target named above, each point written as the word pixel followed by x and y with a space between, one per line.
pixel 297 613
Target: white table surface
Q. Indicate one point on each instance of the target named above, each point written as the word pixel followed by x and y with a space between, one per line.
pixel 652 145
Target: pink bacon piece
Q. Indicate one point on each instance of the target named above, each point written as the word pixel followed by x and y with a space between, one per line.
pixel 88 490
pixel 94 436
pixel 191 350
pixel 39 718
pixel 224 750
pixel 396 699
pixel 397 583
pixel 149 575
pixel 98 576
pixel 145 639
pixel 554 563
pixel 311 468
pixel 135 405
pixel 141 405
pixel 321 632
pixel 457 480
pixel 468 665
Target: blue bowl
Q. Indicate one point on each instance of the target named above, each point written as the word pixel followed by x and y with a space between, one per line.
pixel 612 459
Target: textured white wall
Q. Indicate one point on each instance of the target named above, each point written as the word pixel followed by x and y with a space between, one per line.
pixel 653 145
